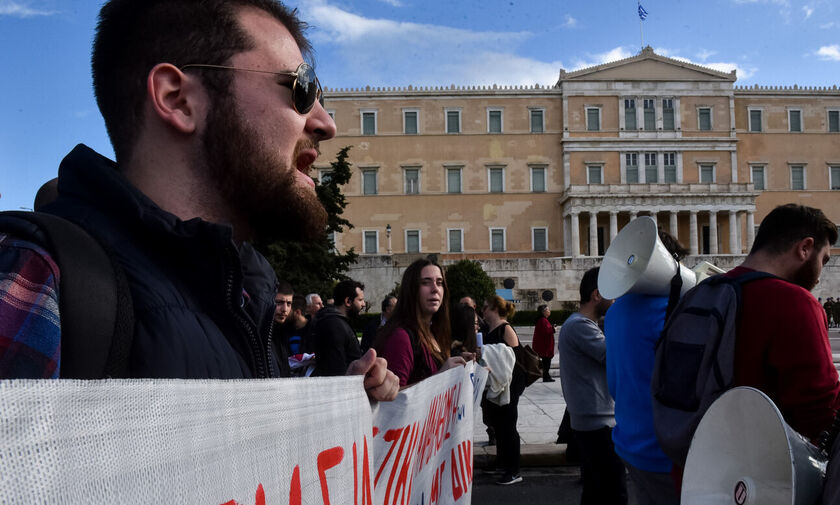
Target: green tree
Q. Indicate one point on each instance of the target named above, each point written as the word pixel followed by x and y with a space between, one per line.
pixel 467 278
pixel 314 266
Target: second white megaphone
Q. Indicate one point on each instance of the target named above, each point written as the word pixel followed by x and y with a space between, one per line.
pixel 638 261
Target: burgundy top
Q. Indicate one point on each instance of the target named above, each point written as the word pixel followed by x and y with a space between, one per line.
pixel 782 349
pixel 544 338
pixel 396 349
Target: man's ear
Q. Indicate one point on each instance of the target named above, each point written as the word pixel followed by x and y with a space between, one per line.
pixel 803 248
pixel 596 295
pixel 175 96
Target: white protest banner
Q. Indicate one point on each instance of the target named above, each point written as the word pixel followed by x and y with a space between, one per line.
pixel 282 441
pixel 423 440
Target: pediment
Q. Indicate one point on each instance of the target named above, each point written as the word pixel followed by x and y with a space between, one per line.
pixel 647 66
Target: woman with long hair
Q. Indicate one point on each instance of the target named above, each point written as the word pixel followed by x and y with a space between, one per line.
pixel 416 339
pixel 544 340
pixel 503 417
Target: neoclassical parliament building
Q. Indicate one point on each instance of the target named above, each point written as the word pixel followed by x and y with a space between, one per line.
pixel 537 173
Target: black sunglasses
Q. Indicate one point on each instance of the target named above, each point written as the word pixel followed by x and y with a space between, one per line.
pixel 306 88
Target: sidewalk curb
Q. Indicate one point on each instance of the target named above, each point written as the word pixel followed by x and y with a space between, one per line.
pixel 531 455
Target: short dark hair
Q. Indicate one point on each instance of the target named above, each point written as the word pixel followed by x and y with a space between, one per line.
pixel 299 303
pixel 135 35
pixel 346 289
pixel 588 284
pixel 387 302
pixel 284 288
pixel 787 224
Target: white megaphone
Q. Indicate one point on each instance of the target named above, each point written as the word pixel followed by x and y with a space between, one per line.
pixel 638 261
pixel 744 453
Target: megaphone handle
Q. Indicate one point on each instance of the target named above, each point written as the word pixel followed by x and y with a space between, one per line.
pixel 674 295
pixel 827 438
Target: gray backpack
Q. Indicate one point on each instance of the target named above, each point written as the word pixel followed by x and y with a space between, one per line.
pixel 695 359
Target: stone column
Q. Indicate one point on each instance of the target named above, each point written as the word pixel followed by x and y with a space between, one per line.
pixel 692 233
pixel 613 225
pixel 633 215
pixel 593 234
pixel 713 236
pixel 674 227
pixel 733 233
pixel 655 219
pixel 750 229
pixel 575 235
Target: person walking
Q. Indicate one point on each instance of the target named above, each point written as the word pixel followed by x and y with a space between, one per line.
pixel 503 417
pixel 544 340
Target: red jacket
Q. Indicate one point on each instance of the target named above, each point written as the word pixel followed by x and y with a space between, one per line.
pixel 544 338
pixel 782 349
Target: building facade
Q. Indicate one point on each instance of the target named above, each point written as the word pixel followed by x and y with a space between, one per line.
pixel 527 173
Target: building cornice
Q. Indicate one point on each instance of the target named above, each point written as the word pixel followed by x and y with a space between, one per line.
pixel 439 91
pixel 759 91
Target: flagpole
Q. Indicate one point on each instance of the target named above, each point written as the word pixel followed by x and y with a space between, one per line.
pixel 641 35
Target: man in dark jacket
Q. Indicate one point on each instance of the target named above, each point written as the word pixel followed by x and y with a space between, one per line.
pixel 336 345
pixel 215 120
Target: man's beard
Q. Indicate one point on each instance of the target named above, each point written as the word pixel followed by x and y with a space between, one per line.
pixel 256 182
pixel 808 274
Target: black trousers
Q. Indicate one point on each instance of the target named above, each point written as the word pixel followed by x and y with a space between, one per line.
pixel 602 472
pixel 546 364
pixel 502 419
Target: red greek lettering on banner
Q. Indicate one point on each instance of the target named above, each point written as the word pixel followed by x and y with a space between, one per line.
pixel 326 460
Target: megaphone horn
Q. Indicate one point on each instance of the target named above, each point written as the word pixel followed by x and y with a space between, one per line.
pixel 744 453
pixel 637 261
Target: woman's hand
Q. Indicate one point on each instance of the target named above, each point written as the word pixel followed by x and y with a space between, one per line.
pixel 452 363
pixel 469 356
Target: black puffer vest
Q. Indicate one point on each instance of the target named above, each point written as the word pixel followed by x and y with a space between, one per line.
pixel 203 306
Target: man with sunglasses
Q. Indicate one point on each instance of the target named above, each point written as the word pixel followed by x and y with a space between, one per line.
pixel 215 118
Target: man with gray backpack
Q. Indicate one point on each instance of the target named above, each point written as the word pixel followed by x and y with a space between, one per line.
pixel 757 325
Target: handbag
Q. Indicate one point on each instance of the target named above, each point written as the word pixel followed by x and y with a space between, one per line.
pixel 527 363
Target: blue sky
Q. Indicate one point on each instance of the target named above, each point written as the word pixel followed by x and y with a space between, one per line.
pixel 47 105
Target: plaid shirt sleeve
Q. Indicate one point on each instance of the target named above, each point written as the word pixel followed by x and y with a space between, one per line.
pixel 30 329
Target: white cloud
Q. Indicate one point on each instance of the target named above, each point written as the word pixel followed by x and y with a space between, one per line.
pixel 570 22
pixel 591 60
pixel 345 27
pixel 393 3
pixel 12 8
pixel 828 26
pixel 808 10
pixel 741 71
pixel 705 54
pixel 381 52
pixel 830 53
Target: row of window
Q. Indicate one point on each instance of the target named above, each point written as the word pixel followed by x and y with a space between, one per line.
pixel 455 240
pixel 794 116
pixel 454 180
pixel 411 120
pixel 798 177
pixel 644 118
pixel 649 173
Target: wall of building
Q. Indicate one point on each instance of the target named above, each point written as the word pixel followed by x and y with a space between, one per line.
pixel 560 276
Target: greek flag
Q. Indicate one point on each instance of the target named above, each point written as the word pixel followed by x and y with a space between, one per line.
pixel 642 12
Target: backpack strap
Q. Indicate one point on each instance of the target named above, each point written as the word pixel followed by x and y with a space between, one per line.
pixel 97 316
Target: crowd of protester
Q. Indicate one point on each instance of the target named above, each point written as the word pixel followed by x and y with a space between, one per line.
pixel 213 155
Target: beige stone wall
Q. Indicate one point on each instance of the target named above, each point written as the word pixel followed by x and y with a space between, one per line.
pixel 561 276
pixel 721 123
